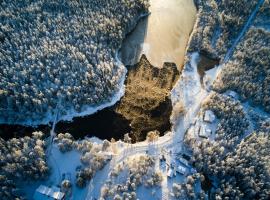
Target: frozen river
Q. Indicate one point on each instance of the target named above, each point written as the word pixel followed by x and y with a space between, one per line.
pixel 163 35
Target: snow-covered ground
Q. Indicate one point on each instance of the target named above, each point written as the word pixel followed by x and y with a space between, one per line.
pixel 190 93
pixel 252 113
pixel 60 164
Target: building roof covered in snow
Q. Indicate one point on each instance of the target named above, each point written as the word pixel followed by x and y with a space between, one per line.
pixel 209 116
pixel 183 161
pixel 182 170
pixel 204 132
pixel 170 173
pixel 44 192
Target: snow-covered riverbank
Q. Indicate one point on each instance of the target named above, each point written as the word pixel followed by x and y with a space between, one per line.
pixel 188 92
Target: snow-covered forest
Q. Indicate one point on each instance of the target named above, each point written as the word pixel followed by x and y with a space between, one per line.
pixel 235 161
pixel 248 73
pixel 218 23
pixel 57 56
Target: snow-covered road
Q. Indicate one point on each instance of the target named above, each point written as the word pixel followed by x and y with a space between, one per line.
pixel 243 31
pixel 97 182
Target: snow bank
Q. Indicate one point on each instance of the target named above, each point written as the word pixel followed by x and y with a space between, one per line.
pixel 188 84
pixel 189 92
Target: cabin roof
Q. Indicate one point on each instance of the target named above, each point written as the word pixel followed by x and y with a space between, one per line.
pixel 209 116
pixel 44 192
